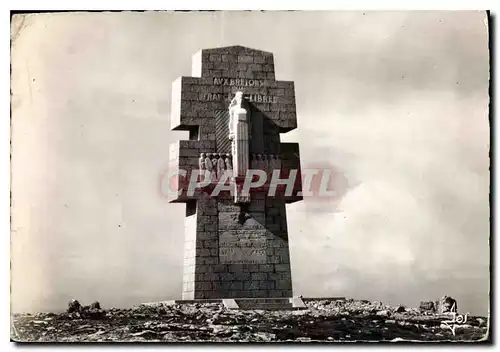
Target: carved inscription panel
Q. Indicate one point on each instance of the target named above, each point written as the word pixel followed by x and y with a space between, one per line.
pixel 241 84
pixel 234 249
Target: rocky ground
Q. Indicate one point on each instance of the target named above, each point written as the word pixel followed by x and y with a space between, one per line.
pixel 322 321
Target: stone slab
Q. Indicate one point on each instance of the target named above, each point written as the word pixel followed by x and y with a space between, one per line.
pixel 297 302
pixel 230 303
pixel 313 299
pixel 264 304
pixel 158 304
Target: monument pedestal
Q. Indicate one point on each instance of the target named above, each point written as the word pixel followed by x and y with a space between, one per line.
pixel 245 303
pixel 285 303
pixel 232 252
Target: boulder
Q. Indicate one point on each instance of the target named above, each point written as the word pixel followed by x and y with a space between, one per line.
pixel 77 311
pixel 446 305
pixel 427 307
pixel 383 313
pixel 401 309
pixel 74 306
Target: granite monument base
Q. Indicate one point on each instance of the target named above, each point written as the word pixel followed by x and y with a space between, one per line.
pixel 284 303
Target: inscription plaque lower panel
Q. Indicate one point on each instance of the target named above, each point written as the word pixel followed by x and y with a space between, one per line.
pixel 236 250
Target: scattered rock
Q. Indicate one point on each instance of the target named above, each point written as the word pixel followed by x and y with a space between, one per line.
pixel 265 336
pixel 74 306
pixel 383 313
pixel 322 321
pixel 401 309
pixel 427 306
pixel 446 305
pixel 147 334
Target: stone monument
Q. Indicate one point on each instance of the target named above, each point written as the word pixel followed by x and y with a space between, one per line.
pixel 236 243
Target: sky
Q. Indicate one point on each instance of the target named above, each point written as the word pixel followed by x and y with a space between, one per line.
pixel 396 103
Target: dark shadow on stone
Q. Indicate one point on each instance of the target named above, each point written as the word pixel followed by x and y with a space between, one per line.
pixel 190 207
pixel 265 139
pixel 242 217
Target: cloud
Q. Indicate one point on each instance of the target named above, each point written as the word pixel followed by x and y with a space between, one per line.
pixel 419 210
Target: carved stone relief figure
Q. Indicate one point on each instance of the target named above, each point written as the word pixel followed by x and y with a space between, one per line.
pixel 208 164
pixel 228 162
pixel 270 162
pixel 274 162
pixel 201 162
pixel 214 163
pixel 262 161
pixel 220 166
pixel 238 133
pixel 234 106
pixel 253 161
pixel 278 162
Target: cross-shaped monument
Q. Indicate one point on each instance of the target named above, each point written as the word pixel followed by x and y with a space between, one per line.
pixel 236 243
